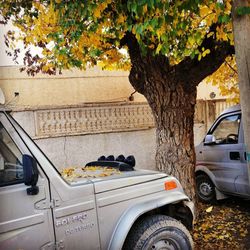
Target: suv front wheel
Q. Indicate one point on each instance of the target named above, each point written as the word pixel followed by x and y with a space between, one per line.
pixel 158 232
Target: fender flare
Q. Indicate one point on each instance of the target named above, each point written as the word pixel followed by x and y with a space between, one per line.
pixel 128 218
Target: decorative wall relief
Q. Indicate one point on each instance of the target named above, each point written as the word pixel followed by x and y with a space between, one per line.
pixel 112 117
pixel 93 119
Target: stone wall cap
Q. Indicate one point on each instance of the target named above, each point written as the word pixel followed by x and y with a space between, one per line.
pixel 82 105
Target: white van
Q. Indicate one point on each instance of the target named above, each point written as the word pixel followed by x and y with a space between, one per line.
pixel 221 166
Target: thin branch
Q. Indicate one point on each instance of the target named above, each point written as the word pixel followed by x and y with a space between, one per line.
pixel 235 71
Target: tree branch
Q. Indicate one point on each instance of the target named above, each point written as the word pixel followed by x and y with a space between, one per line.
pixel 231 67
pixel 143 66
pixel 194 71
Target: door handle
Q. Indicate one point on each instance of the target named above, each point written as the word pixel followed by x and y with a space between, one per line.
pixel 234 155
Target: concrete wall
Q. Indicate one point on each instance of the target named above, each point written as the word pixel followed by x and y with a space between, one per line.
pixel 71 88
pixel 130 133
pixel 77 150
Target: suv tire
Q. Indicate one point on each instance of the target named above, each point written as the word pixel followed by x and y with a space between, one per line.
pixel 158 232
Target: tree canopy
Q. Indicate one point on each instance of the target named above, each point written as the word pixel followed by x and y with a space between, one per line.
pixel 86 33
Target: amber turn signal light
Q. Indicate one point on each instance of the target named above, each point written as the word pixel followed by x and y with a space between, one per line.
pixel 169 185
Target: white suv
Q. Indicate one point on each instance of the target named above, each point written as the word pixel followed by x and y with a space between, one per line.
pixel 102 205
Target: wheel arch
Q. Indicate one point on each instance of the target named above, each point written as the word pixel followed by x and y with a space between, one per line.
pixel 199 170
pixel 176 205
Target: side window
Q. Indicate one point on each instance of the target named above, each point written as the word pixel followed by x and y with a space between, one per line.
pixel 11 170
pixel 227 131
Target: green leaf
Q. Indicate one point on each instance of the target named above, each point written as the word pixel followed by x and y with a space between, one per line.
pixel 164 38
pixel 224 19
pixel 63 51
pixel 143 49
pixel 139 29
pixel 192 56
pixel 150 3
pixel 134 7
pixel 243 10
pixel 206 52
pixel 76 63
pixel 154 22
pixel 199 57
pixel 165 49
pixel 142 2
pixel 139 9
pixel 220 5
pixel 95 53
pixel 158 48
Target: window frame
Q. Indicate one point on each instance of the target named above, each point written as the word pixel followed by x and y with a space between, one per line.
pixel 12 135
pixel 218 122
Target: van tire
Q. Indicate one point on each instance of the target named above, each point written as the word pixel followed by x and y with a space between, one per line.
pixel 205 189
pixel 158 232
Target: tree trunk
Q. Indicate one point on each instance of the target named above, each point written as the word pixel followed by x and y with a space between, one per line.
pixel 173 106
pixel 241 26
pixel 174 116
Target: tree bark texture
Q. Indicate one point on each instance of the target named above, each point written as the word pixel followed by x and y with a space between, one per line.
pixel 173 107
pixel 171 94
pixel 241 26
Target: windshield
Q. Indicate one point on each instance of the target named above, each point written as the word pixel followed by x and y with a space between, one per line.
pixel 11 170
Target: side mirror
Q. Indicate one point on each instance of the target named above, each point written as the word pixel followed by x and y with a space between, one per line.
pixel 30 174
pixel 209 140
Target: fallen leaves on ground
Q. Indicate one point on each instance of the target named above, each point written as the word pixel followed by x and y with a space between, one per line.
pixel 209 210
pixel 223 226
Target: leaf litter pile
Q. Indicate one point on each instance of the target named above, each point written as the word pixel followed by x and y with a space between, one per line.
pixel 224 226
pixel 72 173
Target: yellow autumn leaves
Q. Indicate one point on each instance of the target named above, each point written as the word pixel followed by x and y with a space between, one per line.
pixel 88 49
pixel 226 79
pixel 72 173
pixel 210 11
pixel 223 226
pixel 37 29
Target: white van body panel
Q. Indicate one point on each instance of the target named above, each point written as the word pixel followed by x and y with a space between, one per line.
pixel 224 159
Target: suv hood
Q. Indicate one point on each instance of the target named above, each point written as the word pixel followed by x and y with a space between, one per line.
pixel 107 179
pixel 127 179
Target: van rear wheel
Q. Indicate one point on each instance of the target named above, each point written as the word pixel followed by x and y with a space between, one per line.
pixel 158 232
pixel 205 189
